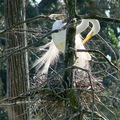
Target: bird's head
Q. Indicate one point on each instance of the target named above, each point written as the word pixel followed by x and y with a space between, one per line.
pixel 95 29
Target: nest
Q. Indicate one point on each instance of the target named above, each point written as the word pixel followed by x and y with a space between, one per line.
pixel 50 100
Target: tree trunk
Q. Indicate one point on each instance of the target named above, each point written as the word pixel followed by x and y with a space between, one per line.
pixel 72 103
pixel 17 78
pixel 70 43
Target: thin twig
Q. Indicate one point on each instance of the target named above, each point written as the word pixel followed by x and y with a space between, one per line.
pixel 85 111
pixel 93 95
pixel 36 43
pixel 47 17
pixel 105 43
pixel 92 89
pixel 15 103
pixel 99 52
pixel 50 17
pixel 96 113
pixel 26 21
pixel 89 16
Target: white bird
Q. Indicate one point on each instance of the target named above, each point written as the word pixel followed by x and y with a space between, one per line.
pixel 57 44
pixel 60 37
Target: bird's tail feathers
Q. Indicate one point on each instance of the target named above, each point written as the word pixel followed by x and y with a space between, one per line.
pixel 48 58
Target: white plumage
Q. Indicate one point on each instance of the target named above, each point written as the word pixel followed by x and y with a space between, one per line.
pixel 57 45
pixel 82 57
pixel 48 58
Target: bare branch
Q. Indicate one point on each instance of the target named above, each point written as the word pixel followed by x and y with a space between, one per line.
pixel 113 20
pixel 99 52
pixel 27 21
pixel 20 49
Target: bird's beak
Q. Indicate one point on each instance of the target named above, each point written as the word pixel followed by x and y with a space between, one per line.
pixel 87 38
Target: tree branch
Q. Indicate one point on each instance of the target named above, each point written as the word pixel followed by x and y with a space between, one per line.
pixel 61 16
pixel 89 16
pixel 27 21
pixel 99 52
pixel 20 49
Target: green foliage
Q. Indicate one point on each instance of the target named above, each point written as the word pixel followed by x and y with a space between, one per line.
pixel 3 114
pixel 114 44
pixel 113 38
